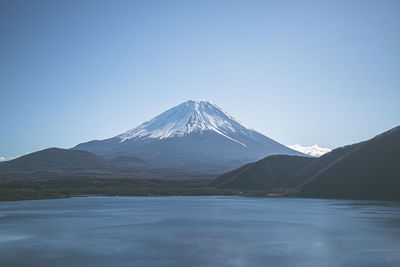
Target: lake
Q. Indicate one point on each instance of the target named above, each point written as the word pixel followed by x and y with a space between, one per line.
pixel 199 231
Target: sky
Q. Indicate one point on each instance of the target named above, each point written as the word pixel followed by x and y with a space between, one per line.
pixel 300 72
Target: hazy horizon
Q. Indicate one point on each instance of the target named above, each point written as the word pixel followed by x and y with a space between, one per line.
pixel 300 72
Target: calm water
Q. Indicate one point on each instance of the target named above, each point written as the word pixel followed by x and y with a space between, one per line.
pixel 199 231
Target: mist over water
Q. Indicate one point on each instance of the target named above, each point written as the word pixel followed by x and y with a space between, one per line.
pixel 199 231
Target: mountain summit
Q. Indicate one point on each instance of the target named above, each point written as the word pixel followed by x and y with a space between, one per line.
pixel 189 117
pixel 195 136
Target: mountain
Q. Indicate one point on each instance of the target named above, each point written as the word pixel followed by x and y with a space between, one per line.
pixel 298 169
pixel 195 136
pixel 366 170
pixel 61 161
pixel 270 173
pixel 370 171
pixel 314 150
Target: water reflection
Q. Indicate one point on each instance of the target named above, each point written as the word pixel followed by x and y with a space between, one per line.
pixel 199 231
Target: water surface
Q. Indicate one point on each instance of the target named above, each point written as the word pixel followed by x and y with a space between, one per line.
pixel 199 231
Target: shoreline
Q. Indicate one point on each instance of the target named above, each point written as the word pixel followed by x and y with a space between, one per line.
pixel 68 187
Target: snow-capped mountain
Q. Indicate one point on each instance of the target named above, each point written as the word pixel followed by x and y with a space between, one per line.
pixel 314 150
pixel 195 136
pixel 186 118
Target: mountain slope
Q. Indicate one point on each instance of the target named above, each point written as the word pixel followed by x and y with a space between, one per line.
pixel 300 169
pixel 194 136
pixel 366 170
pixel 371 170
pixel 271 173
pixel 58 160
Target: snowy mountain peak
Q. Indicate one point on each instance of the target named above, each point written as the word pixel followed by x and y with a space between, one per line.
pixel 191 116
pixel 193 137
pixel 315 150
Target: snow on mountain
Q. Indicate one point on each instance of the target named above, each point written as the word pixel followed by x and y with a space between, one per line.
pixel 315 150
pixel 193 137
pixel 188 117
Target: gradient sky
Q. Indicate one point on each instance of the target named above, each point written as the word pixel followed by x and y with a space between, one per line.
pixel 306 72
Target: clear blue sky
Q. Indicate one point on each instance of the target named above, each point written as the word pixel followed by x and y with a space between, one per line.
pixel 307 72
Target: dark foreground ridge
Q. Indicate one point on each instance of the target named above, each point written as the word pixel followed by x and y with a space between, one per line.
pixel 366 170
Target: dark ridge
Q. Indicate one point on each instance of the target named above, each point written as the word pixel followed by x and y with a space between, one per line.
pixel 366 170
pixel 371 171
pixel 270 173
pixel 59 161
